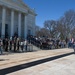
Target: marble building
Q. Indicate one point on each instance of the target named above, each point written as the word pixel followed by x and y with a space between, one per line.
pixel 16 18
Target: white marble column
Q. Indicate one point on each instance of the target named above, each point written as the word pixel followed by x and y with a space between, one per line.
pixel 34 30
pixel 12 23
pixel 25 26
pixel 19 24
pixel 3 22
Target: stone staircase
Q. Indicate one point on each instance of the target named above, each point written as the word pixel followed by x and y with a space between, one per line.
pixel 36 48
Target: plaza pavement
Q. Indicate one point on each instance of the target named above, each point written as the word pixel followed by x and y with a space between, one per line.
pixel 41 62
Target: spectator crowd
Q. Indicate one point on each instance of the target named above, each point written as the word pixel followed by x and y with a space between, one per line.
pixel 16 44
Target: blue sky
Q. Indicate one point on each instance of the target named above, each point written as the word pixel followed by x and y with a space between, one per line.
pixel 50 9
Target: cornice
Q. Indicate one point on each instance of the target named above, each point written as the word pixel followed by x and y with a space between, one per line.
pixel 13 5
pixel 21 6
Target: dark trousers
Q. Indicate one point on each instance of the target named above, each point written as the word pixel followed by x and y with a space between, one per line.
pixel 74 48
pixel 6 48
pixel 26 47
pixel 17 47
pixel 10 47
pixel 1 50
pixel 14 47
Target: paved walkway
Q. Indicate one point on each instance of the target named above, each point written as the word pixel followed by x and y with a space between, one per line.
pixel 43 62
